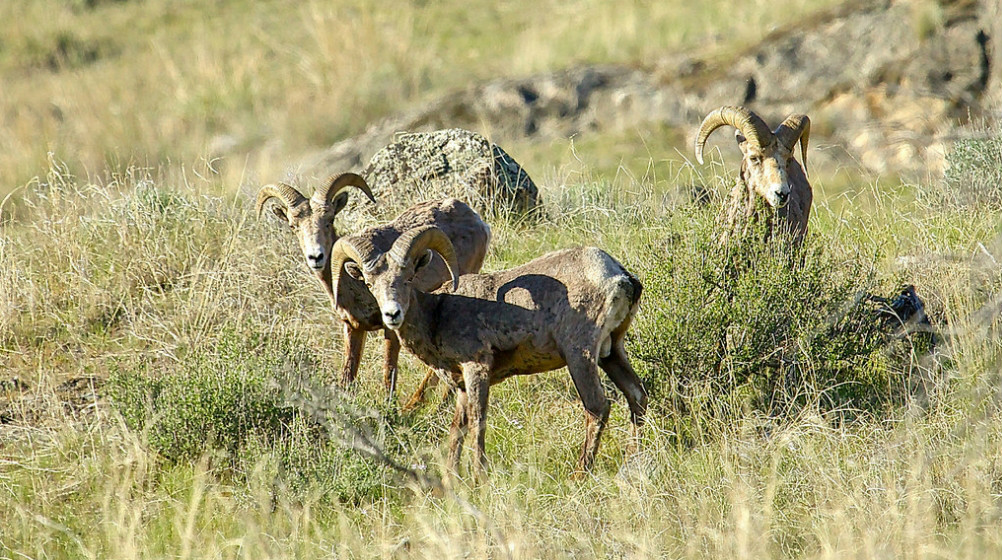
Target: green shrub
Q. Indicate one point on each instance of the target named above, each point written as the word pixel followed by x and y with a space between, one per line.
pixel 64 49
pixel 762 326
pixel 261 405
pixel 213 400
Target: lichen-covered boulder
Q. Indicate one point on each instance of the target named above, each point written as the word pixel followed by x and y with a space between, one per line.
pixel 454 162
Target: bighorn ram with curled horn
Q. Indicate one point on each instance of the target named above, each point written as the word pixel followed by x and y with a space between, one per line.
pixel 570 307
pixel 312 220
pixel 769 170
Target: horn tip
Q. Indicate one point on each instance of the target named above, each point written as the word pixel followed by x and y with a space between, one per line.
pixel 262 198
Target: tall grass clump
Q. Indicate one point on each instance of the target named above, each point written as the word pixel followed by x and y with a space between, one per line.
pixel 974 173
pixel 123 261
pixel 96 258
pixel 766 326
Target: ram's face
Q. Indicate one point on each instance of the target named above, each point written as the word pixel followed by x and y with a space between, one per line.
pixel 764 170
pixel 313 225
pixel 390 281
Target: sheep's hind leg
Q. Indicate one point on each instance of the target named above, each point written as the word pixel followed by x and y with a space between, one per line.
pixel 619 370
pixel 430 380
pixel 584 372
pixel 354 340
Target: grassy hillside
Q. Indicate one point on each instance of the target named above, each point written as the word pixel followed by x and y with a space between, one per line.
pixel 166 360
pixel 114 83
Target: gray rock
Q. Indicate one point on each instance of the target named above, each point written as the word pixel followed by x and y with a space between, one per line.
pixel 452 162
pixel 991 16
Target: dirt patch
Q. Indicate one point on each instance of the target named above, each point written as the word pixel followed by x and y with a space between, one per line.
pixel 23 403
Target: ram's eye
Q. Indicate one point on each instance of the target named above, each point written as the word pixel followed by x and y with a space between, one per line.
pixel 757 160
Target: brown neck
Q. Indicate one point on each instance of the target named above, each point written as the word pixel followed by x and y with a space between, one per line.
pixel 419 331
pixel 327 281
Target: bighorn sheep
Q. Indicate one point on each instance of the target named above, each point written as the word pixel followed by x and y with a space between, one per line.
pixel 570 307
pixel 769 171
pixel 312 220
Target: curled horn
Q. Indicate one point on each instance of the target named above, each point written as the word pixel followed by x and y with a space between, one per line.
pixel 347 249
pixel 415 242
pixel 287 195
pixel 751 126
pixel 325 195
pixel 795 127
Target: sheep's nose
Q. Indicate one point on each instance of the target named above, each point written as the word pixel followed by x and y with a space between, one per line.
pixel 392 315
pixel 316 260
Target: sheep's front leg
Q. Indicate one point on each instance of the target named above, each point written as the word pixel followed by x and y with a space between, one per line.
pixel 476 376
pixel 391 345
pixel 354 339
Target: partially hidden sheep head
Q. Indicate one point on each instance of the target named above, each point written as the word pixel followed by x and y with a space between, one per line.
pixel 312 219
pixel 767 154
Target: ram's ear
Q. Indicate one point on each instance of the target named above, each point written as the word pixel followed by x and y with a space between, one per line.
pixel 279 211
pixel 741 140
pixel 423 261
pixel 354 270
pixel 339 202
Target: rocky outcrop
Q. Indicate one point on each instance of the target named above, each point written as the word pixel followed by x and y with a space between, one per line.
pixel 558 105
pixel 991 14
pixel 453 162
pixel 888 82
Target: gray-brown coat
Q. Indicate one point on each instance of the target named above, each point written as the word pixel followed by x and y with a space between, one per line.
pixel 570 307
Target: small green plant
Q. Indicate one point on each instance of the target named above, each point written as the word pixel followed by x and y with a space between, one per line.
pixel 213 400
pixel 257 402
pixel 927 19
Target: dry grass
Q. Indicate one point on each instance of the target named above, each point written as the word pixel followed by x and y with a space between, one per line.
pixel 922 489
